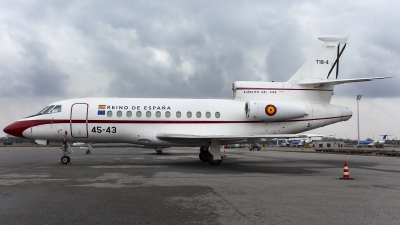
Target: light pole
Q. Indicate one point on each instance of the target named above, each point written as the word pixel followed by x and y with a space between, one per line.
pixel 358 117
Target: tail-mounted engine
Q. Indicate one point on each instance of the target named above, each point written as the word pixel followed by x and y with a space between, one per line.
pixel 273 111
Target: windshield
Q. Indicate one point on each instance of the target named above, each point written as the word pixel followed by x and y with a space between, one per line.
pixel 41 111
pixel 48 110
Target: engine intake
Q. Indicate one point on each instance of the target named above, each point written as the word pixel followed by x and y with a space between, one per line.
pixel 273 111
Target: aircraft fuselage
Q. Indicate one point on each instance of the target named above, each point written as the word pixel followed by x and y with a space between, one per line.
pixel 139 120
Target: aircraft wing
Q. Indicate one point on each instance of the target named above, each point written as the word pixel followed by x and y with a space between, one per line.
pixel 184 138
pixel 340 81
pixel 107 145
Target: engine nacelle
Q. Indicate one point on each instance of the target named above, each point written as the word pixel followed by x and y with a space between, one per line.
pixel 273 111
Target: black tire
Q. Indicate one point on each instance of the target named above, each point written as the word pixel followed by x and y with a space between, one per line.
pixel 203 156
pixel 159 152
pixel 87 152
pixel 213 162
pixel 65 159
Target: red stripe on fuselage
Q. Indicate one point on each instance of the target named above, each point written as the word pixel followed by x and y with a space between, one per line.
pixel 18 127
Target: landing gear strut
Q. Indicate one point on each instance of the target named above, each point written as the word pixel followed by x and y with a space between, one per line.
pixel 66 150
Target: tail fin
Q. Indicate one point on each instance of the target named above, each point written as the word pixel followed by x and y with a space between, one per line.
pixel 322 64
pixel 323 67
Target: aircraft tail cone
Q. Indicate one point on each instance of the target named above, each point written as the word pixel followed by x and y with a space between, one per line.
pixel 224 153
pixel 346 173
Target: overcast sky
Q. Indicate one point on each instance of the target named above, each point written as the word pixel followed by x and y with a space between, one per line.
pixel 55 50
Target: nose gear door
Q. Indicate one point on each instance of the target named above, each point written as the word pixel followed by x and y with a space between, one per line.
pixel 79 120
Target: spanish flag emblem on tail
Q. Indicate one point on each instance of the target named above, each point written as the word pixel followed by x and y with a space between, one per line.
pixel 101 111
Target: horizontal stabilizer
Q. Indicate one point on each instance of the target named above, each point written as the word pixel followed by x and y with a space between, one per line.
pixel 339 81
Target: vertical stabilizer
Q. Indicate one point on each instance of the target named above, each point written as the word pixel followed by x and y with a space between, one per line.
pixel 324 64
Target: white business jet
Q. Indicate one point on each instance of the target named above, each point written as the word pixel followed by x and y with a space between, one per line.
pixel 259 111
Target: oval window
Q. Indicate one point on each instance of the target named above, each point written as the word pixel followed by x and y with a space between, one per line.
pixel 129 114
pixel 119 113
pixel 217 115
pixel 178 114
pixel 167 114
pixel 139 114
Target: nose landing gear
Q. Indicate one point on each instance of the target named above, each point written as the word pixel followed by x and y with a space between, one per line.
pixel 66 148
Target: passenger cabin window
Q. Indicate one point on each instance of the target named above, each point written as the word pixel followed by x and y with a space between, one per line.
pixel 109 113
pixel 158 114
pixel 198 114
pixel 119 113
pixel 139 114
pixel 129 114
pixel 189 114
pixel 208 114
pixel 148 114
pixel 167 114
pixel 178 114
pixel 217 115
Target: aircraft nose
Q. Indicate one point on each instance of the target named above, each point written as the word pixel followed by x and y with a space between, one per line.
pixel 16 128
pixel 346 114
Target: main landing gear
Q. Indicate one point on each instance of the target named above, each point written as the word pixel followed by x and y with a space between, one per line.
pixel 158 150
pixel 66 150
pixel 206 156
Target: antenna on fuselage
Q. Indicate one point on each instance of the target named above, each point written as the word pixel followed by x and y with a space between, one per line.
pixel 336 63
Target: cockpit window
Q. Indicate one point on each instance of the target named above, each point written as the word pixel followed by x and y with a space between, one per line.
pixel 41 111
pixel 56 109
pixel 48 109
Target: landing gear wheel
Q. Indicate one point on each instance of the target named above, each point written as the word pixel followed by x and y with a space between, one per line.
pixel 203 156
pixel 159 152
pixel 88 152
pixel 213 162
pixel 65 159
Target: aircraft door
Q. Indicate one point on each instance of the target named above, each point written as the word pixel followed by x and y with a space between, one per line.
pixel 79 120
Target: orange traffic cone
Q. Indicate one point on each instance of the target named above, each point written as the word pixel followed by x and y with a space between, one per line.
pixel 346 173
pixel 224 153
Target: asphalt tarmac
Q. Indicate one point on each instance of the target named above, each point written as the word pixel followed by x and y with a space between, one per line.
pixel 138 186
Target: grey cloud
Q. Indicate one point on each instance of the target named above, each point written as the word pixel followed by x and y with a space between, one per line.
pixel 216 42
pixel 37 75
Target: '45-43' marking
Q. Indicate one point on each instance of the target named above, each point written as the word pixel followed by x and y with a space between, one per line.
pixel 99 129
